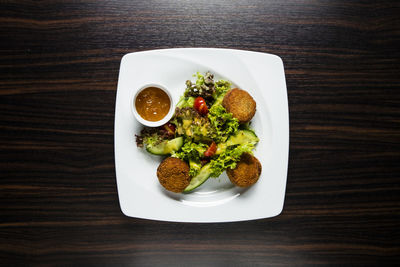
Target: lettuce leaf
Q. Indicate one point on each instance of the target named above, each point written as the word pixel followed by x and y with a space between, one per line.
pixel 221 87
pixel 191 152
pixel 223 123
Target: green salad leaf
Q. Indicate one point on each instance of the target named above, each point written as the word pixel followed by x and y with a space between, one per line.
pixel 195 167
pixel 152 140
pixel 191 124
pixel 200 79
pixel 221 87
pixel 191 152
pixel 223 123
pixel 204 87
pixel 152 136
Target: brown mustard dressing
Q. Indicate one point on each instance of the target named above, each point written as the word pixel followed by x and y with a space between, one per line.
pixel 152 104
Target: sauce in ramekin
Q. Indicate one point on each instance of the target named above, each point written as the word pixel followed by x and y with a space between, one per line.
pixel 152 104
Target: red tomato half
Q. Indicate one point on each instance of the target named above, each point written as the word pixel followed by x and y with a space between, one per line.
pixel 211 150
pixel 198 101
pixel 200 105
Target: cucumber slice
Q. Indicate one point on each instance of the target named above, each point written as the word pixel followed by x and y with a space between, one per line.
pixel 242 137
pixel 174 144
pixel 166 147
pixel 199 179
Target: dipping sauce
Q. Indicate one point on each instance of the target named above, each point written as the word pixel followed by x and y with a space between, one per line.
pixel 152 104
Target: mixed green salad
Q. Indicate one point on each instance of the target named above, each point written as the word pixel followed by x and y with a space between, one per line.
pixel 201 132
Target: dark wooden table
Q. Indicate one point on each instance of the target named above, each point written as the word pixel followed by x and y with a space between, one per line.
pixel 59 63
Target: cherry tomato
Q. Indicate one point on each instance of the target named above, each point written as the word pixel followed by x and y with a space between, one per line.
pixel 211 150
pixel 170 128
pixel 200 105
pixel 198 101
pixel 203 109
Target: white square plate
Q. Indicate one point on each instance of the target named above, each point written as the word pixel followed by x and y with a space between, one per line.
pixel 217 200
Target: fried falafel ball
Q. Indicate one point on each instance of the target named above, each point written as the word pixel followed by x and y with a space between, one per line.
pixel 173 174
pixel 247 171
pixel 240 103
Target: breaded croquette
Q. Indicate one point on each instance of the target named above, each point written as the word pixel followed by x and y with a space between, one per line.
pixel 173 174
pixel 247 171
pixel 241 104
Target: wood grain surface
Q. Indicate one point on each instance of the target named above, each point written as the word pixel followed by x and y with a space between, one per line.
pixel 59 63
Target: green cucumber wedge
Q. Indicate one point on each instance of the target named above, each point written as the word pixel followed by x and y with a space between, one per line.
pixel 199 179
pixel 166 147
pixel 241 137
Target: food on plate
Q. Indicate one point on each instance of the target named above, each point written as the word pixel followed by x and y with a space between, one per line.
pixel 208 134
pixel 159 140
pixel 173 174
pixel 241 104
pixel 200 105
pixel 247 171
pixel 152 104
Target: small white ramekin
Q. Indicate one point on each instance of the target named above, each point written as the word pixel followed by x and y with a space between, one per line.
pixel 146 122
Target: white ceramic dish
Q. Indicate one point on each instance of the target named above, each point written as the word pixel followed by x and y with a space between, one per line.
pixel 217 200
